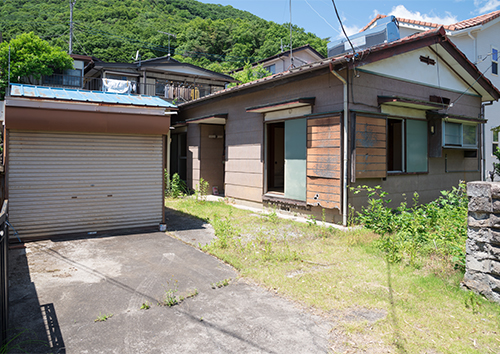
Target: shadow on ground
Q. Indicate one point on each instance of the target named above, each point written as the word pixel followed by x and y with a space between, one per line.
pixel 33 327
pixel 59 289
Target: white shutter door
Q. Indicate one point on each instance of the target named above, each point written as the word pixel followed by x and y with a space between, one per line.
pixel 61 183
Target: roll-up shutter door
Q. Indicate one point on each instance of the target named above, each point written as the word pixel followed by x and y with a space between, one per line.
pixel 62 183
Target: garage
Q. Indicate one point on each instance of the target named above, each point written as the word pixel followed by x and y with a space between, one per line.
pixel 84 167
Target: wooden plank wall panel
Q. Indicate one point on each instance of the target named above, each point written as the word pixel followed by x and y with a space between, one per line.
pixel 323 162
pixel 371 147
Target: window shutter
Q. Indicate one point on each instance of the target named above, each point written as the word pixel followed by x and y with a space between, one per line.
pixel 371 147
pixel 323 162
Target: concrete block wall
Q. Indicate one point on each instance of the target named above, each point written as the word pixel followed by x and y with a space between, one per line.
pixel 482 273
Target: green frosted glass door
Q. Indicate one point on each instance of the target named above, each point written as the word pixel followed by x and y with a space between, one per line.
pixel 416 145
pixel 295 158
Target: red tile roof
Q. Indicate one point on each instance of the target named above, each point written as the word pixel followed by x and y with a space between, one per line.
pixel 479 20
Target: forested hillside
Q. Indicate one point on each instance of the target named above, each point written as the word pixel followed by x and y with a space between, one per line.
pixel 217 37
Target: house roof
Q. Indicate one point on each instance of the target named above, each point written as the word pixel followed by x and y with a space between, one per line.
pixel 164 65
pixel 475 21
pixel 285 54
pixel 64 94
pixel 369 55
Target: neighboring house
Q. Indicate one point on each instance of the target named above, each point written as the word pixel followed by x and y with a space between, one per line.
pixel 81 162
pixel 284 61
pixel 164 77
pixel 479 39
pixel 387 116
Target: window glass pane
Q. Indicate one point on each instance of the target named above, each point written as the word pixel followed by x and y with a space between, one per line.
pixel 469 134
pixel 271 69
pixel 395 145
pixel 494 68
pixel 416 145
pixel 494 54
pixel 452 134
pixel 494 148
pixel 295 158
pixel 495 136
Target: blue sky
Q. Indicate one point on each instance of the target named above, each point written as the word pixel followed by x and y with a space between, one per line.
pixel 318 16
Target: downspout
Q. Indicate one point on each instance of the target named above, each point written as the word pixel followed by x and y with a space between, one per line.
pixel 469 33
pixel 483 141
pixel 345 162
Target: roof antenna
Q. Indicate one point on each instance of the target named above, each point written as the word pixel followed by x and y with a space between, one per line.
pixel 169 35
pixel 138 57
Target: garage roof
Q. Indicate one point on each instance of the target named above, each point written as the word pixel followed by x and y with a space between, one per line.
pixel 65 94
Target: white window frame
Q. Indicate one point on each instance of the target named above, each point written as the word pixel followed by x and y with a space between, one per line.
pixel 461 139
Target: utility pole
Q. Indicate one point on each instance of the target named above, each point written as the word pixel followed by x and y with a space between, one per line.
pixel 169 35
pixel 291 51
pixel 71 5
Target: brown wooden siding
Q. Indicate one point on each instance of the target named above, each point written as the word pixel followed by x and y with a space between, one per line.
pixel 371 147
pixel 323 162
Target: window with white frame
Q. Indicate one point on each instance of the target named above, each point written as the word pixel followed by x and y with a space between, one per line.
pixel 494 61
pixel 459 134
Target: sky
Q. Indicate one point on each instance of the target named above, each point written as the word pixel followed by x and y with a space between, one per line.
pixel 318 16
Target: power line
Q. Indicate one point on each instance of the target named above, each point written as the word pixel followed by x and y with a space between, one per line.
pixel 342 26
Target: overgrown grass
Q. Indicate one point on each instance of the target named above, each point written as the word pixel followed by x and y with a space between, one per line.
pixel 344 273
pixel 414 233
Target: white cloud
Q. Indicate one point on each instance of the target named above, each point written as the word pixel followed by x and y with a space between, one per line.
pixel 401 11
pixel 350 30
pixel 484 6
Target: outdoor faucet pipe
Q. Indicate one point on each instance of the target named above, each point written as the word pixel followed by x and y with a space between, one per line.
pixel 346 115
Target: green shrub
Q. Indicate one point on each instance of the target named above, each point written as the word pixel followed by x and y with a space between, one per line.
pixel 176 187
pixel 409 233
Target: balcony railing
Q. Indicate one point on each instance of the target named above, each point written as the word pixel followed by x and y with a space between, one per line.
pixel 168 90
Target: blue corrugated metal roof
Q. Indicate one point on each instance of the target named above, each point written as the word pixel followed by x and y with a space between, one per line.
pixel 87 96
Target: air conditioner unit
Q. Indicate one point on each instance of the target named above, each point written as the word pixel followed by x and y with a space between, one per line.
pixel 386 30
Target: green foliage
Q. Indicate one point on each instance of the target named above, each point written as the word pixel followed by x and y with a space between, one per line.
pixel 496 165
pixel 439 227
pixel 30 58
pixel 221 284
pixel 145 306
pixel 249 74
pixel 201 191
pixel 176 187
pixel 224 230
pixel 219 38
pixel 102 318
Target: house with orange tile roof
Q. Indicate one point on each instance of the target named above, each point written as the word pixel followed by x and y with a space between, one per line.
pixel 479 39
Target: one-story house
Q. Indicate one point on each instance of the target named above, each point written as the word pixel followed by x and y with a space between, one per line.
pixel 82 162
pixel 404 115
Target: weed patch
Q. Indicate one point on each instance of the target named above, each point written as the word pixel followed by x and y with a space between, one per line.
pixel 102 318
pixel 411 234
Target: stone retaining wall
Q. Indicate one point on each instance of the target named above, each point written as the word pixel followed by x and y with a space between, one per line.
pixel 483 244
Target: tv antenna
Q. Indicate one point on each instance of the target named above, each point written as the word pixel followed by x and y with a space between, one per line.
pixel 169 35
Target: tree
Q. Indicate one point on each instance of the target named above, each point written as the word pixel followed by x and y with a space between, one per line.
pixel 30 57
pixel 249 74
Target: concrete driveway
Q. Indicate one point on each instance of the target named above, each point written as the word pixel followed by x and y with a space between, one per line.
pixel 59 288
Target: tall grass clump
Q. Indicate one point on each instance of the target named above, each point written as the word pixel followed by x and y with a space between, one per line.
pixel 410 232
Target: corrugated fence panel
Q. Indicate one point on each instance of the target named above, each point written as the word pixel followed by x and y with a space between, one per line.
pixel 371 148
pixel 61 183
pixel 323 162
